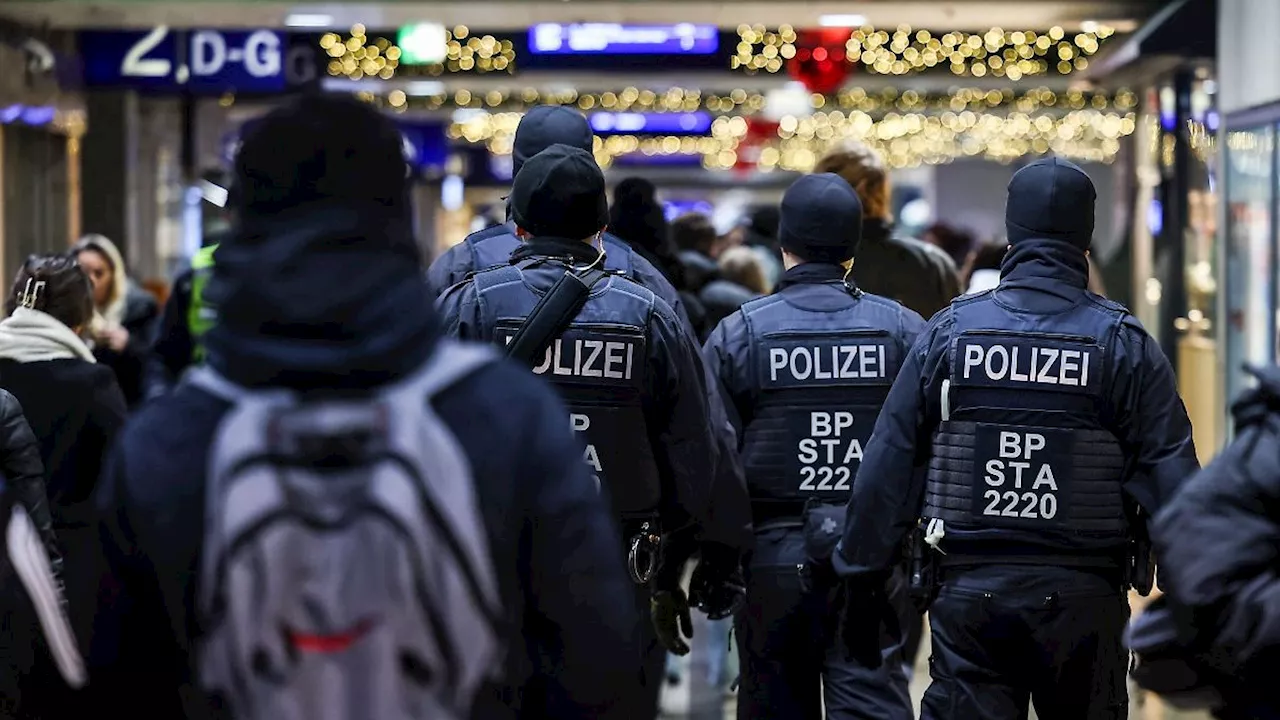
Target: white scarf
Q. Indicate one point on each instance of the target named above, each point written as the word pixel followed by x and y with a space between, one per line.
pixel 34 336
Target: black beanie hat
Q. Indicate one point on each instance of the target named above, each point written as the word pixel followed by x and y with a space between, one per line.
pixel 1051 199
pixel 320 147
pixel 546 125
pixel 821 219
pixel 560 192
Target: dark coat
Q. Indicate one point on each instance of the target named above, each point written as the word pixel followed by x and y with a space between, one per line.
pixel 551 538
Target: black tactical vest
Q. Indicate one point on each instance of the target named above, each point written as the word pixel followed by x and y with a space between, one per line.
pixel 599 366
pixel 820 379
pixel 1023 454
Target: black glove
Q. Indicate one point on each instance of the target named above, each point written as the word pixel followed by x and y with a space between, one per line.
pixel 717 587
pixel 817 576
pixel 669 611
pixel 865 615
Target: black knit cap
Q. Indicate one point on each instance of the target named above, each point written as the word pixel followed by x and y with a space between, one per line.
pixel 560 192
pixel 1051 199
pixel 821 219
pixel 546 125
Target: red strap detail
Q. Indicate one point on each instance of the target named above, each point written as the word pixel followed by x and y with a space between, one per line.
pixel 337 642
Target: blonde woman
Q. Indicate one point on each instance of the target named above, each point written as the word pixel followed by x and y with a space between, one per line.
pixel 125 315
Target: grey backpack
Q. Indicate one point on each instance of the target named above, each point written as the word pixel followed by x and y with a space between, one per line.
pixel 346 571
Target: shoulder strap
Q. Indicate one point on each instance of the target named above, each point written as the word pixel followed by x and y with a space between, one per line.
pixel 212 382
pixel 553 313
pixel 449 363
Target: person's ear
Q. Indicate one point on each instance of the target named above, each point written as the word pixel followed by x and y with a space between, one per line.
pixel 522 233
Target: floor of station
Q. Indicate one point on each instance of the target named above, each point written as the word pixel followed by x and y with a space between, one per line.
pixel 694 699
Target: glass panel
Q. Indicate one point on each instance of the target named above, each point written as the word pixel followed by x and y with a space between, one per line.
pixel 1249 262
pixel 1202 212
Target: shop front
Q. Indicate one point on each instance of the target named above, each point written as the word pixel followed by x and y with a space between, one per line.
pixel 1250 105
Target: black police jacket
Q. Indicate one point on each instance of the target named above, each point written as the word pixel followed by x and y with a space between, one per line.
pixel 493 247
pixel 805 371
pixel 1042 283
pixel 625 351
pixel 1218 541
pixel 543 520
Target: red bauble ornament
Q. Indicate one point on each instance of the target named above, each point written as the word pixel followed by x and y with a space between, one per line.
pixel 820 59
pixel 760 133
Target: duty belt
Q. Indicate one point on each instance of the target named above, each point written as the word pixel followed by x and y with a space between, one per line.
pixel 642 560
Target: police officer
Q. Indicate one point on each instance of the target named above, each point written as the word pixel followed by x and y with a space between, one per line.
pixel 540 128
pixel 186 317
pixel 806 370
pixel 1047 427
pixel 631 376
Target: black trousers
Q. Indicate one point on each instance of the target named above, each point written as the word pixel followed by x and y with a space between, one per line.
pixel 1008 636
pixel 642 704
pixel 790 656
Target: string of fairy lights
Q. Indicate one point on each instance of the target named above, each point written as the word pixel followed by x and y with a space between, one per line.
pixel 995 52
pixel 742 102
pixel 903 139
pixel 361 55
pixel 907 127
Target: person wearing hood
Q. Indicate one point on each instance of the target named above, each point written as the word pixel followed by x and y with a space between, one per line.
pixel 638 219
pixel 321 189
pixel 634 383
pixel 1212 640
pixel 73 406
pixel 804 408
pixel 124 325
pixel 1033 431
pixel 914 273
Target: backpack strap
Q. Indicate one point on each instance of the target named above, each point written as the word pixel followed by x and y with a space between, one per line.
pixel 214 383
pixel 449 363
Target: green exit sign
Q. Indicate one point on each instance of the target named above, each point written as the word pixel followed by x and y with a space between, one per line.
pixel 422 44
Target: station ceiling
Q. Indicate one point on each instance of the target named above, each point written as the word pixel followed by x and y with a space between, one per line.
pixel 1124 15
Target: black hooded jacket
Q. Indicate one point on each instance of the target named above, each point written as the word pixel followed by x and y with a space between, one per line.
pixel 293 313
pixel 1218 541
pixel 915 274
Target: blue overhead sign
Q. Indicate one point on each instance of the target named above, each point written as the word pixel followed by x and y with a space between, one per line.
pixel 198 60
pixel 614 39
pixel 689 123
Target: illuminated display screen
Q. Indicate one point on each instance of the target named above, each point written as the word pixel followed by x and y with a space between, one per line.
pixel 691 123
pixel 611 39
